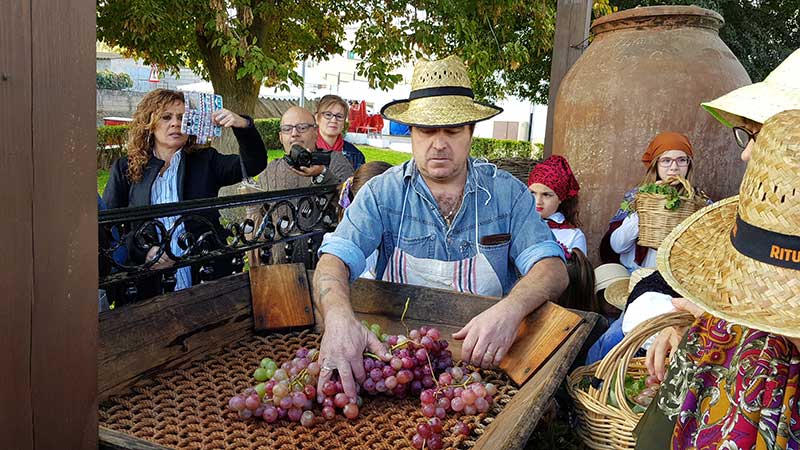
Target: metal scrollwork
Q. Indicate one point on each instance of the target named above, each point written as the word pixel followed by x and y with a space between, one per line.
pixel 197 238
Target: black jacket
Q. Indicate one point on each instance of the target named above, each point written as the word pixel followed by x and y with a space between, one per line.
pixel 201 174
pixel 353 154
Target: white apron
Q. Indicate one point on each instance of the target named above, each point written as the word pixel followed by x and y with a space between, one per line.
pixel 473 275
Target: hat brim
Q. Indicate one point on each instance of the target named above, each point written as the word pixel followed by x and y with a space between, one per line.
pixel 617 294
pixel 698 260
pixel 757 102
pixel 439 112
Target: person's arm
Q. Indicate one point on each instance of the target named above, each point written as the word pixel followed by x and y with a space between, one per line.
pixel 489 335
pixel 344 338
pixel 341 261
pixel 536 254
pixel 115 194
pixel 623 239
pixel 252 155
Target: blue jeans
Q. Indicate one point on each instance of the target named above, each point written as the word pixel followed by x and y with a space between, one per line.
pixel 607 341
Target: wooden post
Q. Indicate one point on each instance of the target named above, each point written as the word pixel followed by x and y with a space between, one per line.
pixel 573 18
pixel 48 315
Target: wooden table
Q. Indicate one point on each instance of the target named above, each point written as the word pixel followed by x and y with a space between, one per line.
pixel 167 331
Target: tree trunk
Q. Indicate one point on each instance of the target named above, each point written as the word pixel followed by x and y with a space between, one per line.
pixel 239 96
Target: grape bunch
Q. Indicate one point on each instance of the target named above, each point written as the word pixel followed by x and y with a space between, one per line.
pixel 420 365
pixel 285 392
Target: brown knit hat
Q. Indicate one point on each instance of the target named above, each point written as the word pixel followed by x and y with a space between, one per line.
pixel 739 259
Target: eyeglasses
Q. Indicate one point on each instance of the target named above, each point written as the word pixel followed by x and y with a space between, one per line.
pixel 301 128
pixel 682 161
pixel 330 116
pixel 743 136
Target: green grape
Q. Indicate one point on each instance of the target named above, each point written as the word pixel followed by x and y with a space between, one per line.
pixel 261 374
pixel 260 388
pixel 375 328
pixel 384 337
pixel 267 362
pixel 270 372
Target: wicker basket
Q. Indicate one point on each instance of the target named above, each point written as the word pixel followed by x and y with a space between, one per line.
pixel 656 221
pixel 600 425
pixel 519 167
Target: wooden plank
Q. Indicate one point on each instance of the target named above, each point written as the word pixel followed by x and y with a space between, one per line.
pixel 16 196
pixel 281 297
pixel 109 439
pixel 166 331
pixel 514 425
pixel 573 18
pixel 63 318
pixel 539 336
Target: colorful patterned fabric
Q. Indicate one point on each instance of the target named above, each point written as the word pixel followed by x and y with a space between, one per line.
pixel 731 387
pixel 555 173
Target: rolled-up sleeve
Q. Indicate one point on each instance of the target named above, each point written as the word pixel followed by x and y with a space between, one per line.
pixel 532 239
pixel 358 234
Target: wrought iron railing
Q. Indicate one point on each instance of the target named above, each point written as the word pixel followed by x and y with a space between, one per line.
pixel 265 225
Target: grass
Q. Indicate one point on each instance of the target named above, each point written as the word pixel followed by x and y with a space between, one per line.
pixel 370 154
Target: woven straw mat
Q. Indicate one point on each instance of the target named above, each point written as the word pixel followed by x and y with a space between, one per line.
pixel 186 408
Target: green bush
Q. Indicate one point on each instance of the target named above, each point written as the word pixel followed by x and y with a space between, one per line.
pixel 110 144
pixel 269 130
pixel 113 80
pixel 500 148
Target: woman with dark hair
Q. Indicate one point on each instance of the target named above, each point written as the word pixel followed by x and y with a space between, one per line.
pixel 163 165
pixel 331 114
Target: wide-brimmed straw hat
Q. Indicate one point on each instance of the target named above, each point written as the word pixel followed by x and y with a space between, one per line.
pixel 739 259
pixel 780 91
pixel 441 96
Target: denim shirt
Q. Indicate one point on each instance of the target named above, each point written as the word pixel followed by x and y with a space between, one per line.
pixel 504 205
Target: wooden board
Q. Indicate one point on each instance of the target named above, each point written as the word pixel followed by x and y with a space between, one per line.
pixel 281 296
pixel 114 440
pixel 538 337
pixel 150 336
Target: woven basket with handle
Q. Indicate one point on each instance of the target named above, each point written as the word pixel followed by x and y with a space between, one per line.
pixel 656 221
pixel 601 425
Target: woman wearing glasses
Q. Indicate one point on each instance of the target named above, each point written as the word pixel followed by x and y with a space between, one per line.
pixel 669 154
pixel 331 115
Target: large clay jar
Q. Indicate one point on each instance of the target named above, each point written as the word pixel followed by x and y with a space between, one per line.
pixel 646 71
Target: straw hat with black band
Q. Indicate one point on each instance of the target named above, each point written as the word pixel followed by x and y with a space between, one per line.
pixel 780 91
pixel 441 97
pixel 739 259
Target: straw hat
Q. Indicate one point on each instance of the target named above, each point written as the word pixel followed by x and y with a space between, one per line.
pixel 441 96
pixel 780 91
pixel 739 259
pixel 618 292
pixel 605 274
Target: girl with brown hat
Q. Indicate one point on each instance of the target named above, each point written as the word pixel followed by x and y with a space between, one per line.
pixel 735 380
pixel 669 154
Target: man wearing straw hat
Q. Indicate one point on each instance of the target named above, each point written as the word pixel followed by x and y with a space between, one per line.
pixel 440 220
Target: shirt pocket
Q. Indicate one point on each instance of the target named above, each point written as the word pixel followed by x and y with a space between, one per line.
pixel 497 255
pixel 419 246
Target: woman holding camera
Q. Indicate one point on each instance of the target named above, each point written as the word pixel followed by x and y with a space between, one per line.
pixel 163 165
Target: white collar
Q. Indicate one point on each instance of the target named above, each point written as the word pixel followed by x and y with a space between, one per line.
pixel 557 217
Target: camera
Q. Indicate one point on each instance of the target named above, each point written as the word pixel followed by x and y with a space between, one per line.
pixel 300 157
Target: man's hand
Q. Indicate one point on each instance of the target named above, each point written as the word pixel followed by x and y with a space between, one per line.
pixel 489 335
pixel 342 347
pixel 308 171
pixel 668 339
